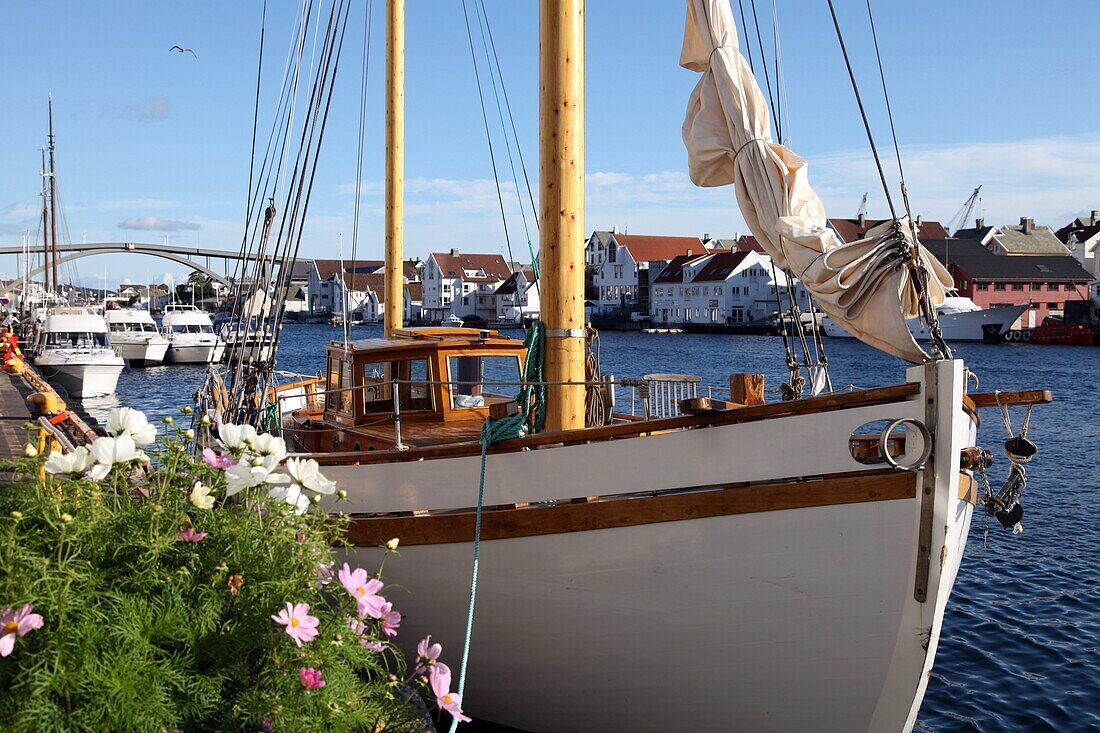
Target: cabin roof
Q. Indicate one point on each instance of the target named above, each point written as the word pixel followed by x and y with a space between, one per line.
pixel 405 339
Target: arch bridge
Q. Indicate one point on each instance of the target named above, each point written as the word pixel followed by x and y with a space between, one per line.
pixel 188 256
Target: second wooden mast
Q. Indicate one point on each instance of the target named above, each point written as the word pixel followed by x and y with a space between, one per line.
pixel 561 207
pixel 395 166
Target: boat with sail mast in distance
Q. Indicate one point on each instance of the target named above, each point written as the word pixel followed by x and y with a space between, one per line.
pixel 722 564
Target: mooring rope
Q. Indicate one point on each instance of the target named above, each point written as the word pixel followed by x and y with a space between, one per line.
pixel 530 416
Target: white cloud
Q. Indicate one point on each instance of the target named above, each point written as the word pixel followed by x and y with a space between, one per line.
pixel 151 110
pixel 155 224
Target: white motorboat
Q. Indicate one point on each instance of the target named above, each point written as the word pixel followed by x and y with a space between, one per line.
pixel 72 349
pixel 250 338
pixel 191 337
pixel 135 336
pixel 960 319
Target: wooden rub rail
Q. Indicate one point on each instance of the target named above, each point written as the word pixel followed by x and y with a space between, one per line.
pixel 753 413
pixel 605 513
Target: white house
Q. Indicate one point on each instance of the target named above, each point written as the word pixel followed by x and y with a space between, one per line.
pixel 518 296
pixel 723 287
pixel 462 284
pixel 625 264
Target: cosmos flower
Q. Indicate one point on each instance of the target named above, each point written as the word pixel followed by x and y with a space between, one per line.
pixel 390 619
pixel 307 474
pixel 131 422
pixel 363 590
pixel 200 496
pixel 74 462
pixel 220 461
pixel 16 624
pixel 310 678
pixel 190 535
pixel 108 451
pixel 300 626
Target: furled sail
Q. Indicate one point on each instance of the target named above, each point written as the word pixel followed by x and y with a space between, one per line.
pixel 865 286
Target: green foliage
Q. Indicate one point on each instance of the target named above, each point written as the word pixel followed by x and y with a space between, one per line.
pixel 145 632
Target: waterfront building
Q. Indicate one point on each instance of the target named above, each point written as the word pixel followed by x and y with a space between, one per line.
pixel 1025 238
pixel 621 279
pixel 518 296
pixel 1082 238
pixel 720 288
pixel 1044 281
pixel 327 280
pixel 852 230
pixel 461 284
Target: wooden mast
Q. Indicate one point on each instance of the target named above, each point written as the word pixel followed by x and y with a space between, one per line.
pixel 45 220
pixel 53 207
pixel 561 207
pixel 395 165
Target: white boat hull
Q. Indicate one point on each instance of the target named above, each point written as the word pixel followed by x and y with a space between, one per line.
pixel 81 380
pixel 182 352
pixel 784 620
pixel 140 353
pixel 962 326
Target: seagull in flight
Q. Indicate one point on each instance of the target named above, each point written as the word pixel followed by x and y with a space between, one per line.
pixel 181 49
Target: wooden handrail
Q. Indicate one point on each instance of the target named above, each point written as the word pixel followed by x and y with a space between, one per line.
pixel 1021 397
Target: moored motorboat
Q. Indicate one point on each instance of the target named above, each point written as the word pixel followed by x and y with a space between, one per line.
pixel 190 334
pixel 135 336
pixel 72 349
pixel 960 319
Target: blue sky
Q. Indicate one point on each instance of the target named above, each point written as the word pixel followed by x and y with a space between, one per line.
pixel 153 144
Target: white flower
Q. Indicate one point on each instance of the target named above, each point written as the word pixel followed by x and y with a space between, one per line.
pixel 244 475
pixel 392 544
pixel 291 494
pixel 200 496
pixel 236 437
pixel 128 421
pixel 307 473
pixel 268 445
pixel 30 451
pixel 68 463
pixel 108 451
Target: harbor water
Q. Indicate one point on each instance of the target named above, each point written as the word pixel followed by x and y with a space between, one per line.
pixel 1020 649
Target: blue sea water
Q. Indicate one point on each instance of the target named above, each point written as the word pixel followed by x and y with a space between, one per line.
pixel 1020 649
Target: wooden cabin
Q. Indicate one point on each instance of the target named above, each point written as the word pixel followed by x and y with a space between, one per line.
pixel 434 385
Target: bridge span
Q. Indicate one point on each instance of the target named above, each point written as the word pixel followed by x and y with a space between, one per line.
pixel 184 255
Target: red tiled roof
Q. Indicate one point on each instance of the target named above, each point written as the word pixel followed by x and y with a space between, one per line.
pixel 719 267
pixel 646 248
pixel 495 267
pixel 850 230
pixel 416 291
pixel 674 270
pixel 748 243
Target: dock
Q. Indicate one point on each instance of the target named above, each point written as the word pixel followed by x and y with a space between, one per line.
pixel 14 413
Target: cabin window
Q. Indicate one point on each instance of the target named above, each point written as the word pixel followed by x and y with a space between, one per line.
pixel 477 381
pixel 76 339
pixel 413 378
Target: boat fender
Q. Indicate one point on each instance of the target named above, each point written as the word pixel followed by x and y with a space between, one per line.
pixel 1026 335
pixel 46 402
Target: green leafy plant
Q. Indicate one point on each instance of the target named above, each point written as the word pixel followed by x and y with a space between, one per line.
pixel 143 589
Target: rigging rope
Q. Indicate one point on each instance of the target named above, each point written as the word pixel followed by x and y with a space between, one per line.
pixel 359 163
pixel 530 416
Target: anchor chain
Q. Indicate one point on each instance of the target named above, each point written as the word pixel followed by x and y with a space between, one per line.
pixel 1005 505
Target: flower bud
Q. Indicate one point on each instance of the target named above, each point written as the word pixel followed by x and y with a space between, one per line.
pixel 392 544
pixel 66 518
pixel 16 515
pixel 168 420
pixel 189 434
pixel 186 410
pixel 205 421
pixel 30 451
pixel 342 494
pixel 316 498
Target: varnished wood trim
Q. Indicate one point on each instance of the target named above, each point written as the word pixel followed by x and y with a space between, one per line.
pixel 754 413
pixel 607 513
pixel 968 488
pixel 1024 397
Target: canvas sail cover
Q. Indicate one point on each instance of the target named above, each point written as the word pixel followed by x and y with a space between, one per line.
pixel 864 286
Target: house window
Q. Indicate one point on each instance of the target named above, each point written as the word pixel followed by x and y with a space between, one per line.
pixel 1036 286
pixel 1017 286
pixel 737 315
pixel 1052 286
pixel 999 286
pixel 983 286
pixel 1068 286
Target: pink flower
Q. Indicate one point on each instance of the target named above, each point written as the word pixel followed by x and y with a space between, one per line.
pixel 190 535
pixel 390 618
pixel 16 623
pixel 323 572
pixel 372 646
pixel 220 461
pixel 427 655
pixel 446 700
pixel 364 591
pixel 310 678
pixel 360 629
pixel 300 626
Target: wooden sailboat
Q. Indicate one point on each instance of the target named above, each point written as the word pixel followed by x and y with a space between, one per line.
pixel 741 566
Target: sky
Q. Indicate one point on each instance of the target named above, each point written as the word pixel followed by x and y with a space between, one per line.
pixel 153 145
